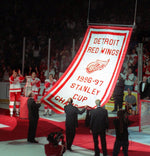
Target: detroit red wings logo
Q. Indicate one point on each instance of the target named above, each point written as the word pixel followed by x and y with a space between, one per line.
pixel 97 65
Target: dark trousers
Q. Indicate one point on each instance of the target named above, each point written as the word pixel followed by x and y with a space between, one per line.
pixel 118 144
pixel 32 129
pixel 70 134
pixel 87 119
pixel 103 143
pixel 118 102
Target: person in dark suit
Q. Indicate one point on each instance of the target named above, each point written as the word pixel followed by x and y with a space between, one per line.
pixel 33 111
pixel 118 94
pixel 121 127
pixel 98 125
pixel 144 88
pixel 71 121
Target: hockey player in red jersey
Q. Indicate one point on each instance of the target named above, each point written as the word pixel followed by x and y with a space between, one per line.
pixel 35 83
pixel 49 83
pixel 15 91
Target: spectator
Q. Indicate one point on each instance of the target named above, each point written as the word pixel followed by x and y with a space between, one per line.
pixel 125 63
pixel 136 84
pixel 129 80
pixel 51 71
pixel 65 59
pixel 129 65
pixel 36 52
pixel 146 56
pixel 5 75
pixel 144 89
pixel 42 77
pixel 37 72
pixel 130 101
pixel 30 71
pixel 132 56
pixel 147 69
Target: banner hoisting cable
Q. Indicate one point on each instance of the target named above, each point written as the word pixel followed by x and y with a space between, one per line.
pixel 134 22
pixel 88 16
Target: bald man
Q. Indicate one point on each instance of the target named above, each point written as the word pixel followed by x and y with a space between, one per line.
pixel 71 121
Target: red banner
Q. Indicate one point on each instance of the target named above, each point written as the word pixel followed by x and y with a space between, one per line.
pixel 94 70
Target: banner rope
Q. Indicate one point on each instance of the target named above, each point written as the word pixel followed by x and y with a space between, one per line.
pixel 134 23
pixel 88 16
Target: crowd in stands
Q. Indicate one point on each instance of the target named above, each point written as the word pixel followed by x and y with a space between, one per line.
pixel 37 28
pixel 130 67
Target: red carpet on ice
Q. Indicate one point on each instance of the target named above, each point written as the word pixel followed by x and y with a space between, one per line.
pixel 18 129
pixel 84 139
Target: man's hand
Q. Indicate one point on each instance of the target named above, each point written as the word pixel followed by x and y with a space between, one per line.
pixel 19 72
pixel 34 82
pixel 85 106
pixel 38 102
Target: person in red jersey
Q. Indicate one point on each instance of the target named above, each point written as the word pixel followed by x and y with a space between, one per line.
pixel 35 83
pixel 15 91
pixel 49 83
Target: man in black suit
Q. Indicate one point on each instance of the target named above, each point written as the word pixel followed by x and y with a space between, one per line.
pixel 144 88
pixel 71 121
pixel 98 126
pixel 118 94
pixel 33 111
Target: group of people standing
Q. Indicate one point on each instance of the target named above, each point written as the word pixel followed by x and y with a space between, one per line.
pixel 99 125
pixel 33 105
pixel 99 122
pixel 118 95
pixel 15 89
pixel 130 99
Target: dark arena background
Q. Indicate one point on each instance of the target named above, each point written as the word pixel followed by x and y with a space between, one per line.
pixel 46 35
